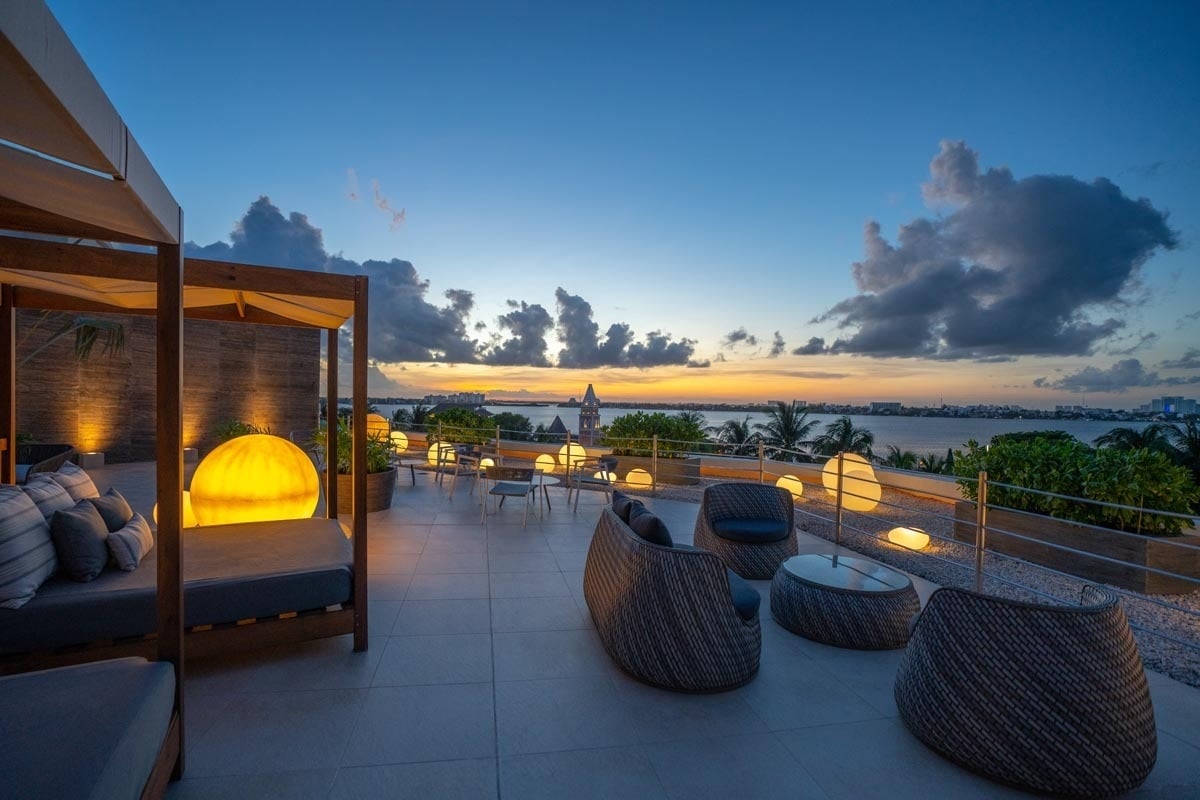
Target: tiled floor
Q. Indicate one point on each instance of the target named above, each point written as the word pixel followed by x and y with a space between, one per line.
pixel 485 679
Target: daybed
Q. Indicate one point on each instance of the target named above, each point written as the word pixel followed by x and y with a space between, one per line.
pixel 35 458
pixel 670 615
pixel 231 573
pixel 121 740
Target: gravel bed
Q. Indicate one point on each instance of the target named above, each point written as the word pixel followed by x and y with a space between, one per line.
pixel 815 515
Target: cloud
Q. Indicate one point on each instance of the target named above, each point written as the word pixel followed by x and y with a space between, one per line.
pixel 1120 377
pixel 527 346
pixel 1144 340
pixel 583 347
pixel 1014 267
pixel 778 346
pixel 815 374
pixel 739 336
pixel 1189 360
pixel 382 204
pixel 814 347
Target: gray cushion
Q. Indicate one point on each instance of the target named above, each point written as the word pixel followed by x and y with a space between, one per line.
pixel 621 505
pixel 745 597
pixel 77 482
pixel 231 572
pixel 130 544
pixel 755 531
pixel 79 536
pixel 648 526
pixel 22 471
pixel 89 731
pixel 113 508
pixel 48 495
pixel 27 556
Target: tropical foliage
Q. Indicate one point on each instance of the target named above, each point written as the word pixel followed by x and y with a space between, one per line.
pixel 411 419
pixel 378 450
pixel 512 425
pixel 231 429
pixel 900 459
pixel 786 429
pixel 630 434
pixel 843 436
pixel 460 426
pixel 87 331
pixel 1152 437
pixel 738 437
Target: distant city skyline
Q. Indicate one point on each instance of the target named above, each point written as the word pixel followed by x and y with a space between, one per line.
pixel 974 204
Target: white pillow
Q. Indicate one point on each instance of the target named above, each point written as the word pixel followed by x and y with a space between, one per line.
pixel 130 544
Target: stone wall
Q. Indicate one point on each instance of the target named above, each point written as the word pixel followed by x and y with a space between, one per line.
pixel 253 373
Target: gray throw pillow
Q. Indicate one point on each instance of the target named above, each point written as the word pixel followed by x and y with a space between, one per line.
pixel 113 508
pixel 648 526
pixel 622 504
pixel 27 556
pixel 79 536
pixel 131 543
pixel 47 495
pixel 77 482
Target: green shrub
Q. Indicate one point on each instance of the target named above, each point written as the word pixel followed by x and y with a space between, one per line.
pixel 676 434
pixel 1064 465
pixel 232 429
pixel 458 426
pixel 378 450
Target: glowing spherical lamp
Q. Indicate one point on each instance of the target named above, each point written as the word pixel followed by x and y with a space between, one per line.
pixel 830 473
pixel 792 484
pixel 545 462
pixel 189 516
pixel 571 454
pixel 639 477
pixel 378 427
pixel 486 461
pixel 399 441
pixel 605 475
pixel 860 490
pixel 449 456
pixel 912 538
pixel 254 478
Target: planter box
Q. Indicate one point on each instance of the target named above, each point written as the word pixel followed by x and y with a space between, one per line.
pixel 1149 551
pixel 677 471
pixel 380 486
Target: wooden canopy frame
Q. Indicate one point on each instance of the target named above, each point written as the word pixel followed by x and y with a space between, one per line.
pixel 70 169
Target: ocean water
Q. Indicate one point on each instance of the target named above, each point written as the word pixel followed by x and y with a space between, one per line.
pixel 919 434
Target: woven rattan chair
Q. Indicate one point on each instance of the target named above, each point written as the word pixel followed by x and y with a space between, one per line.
pixel 664 614
pixel 1048 698
pixel 41 458
pixel 746 506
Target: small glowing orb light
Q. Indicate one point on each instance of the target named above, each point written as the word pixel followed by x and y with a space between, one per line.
pixel 545 462
pixel 860 490
pixel 573 456
pixel 912 538
pixel 486 462
pixel 792 484
pixel 830 473
pixel 449 456
pixel 377 427
pixel 254 478
pixel 189 516
pixel 639 477
pixel 605 475
pixel 399 441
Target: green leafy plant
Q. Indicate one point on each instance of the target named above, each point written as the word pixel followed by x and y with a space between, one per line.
pixel 231 429
pixel 631 434
pixel 1064 465
pixel 459 426
pixel 378 451
pixel 514 426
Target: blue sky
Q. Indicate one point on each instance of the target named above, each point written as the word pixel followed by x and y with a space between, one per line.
pixel 692 169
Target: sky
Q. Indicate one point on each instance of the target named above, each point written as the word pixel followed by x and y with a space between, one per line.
pixel 938 202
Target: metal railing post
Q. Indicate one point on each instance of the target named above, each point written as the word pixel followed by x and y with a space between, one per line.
pixel 761 461
pixel 980 530
pixel 654 463
pixel 837 532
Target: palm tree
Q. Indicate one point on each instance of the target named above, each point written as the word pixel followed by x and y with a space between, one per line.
pixel 1152 437
pixel 932 462
pixel 88 331
pixel 900 459
pixel 786 428
pixel 738 436
pixel 1185 442
pixel 692 418
pixel 843 436
pixel 413 419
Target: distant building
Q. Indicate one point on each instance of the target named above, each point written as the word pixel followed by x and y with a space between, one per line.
pixel 589 418
pixel 1171 405
pixel 557 427
pixel 457 399
pixel 884 408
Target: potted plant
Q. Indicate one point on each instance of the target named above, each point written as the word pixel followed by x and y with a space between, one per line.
pixel 381 475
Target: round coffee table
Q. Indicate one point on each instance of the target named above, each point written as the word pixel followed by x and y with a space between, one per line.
pixel 844 601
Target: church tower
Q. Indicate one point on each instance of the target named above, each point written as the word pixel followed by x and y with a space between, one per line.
pixel 589 418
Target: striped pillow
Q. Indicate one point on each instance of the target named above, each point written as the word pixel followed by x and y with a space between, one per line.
pixel 75 481
pixel 130 544
pixel 47 495
pixel 27 555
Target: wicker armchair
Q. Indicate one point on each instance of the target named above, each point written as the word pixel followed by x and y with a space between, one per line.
pixel 664 614
pixel 1052 699
pixel 41 458
pixel 756 503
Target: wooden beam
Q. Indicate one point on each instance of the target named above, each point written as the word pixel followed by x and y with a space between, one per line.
pixel 8 384
pixel 331 422
pixel 16 216
pixel 169 454
pixel 239 300
pixel 360 463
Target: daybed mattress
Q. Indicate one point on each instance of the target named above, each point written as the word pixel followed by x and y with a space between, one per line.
pixel 88 731
pixel 231 572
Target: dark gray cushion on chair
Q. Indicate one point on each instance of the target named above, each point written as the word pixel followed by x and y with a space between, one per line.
pixel 621 505
pixel 754 531
pixel 646 525
pixel 746 598
pixel 113 508
pixel 80 539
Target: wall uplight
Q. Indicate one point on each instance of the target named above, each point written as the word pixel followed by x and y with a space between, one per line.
pixel 254 478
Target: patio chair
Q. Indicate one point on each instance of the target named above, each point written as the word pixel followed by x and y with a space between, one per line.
pixel 1049 698
pixel 504 482
pixel 591 472
pixel 749 525
pixel 466 463
pixel 34 458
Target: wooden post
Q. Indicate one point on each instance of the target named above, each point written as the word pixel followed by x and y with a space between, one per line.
pixel 8 385
pixel 331 422
pixel 981 494
pixel 169 454
pixel 654 463
pixel 359 463
pixel 762 464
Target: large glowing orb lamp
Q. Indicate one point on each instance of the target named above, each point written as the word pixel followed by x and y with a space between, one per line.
pixel 912 538
pixel 189 515
pixel 545 462
pixel 448 454
pixel 639 478
pixel 860 490
pixel 792 484
pixel 830 473
pixel 378 427
pixel 399 441
pixel 254 478
pixel 571 454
